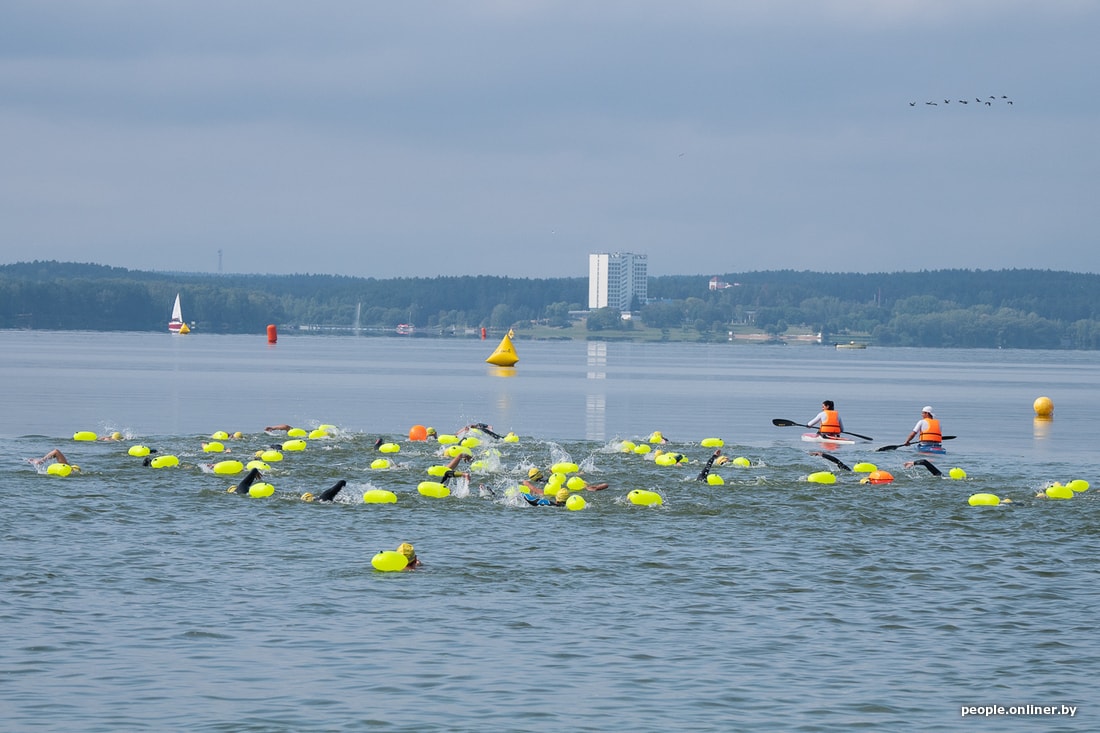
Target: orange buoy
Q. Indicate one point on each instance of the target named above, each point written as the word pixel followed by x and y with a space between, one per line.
pixel 418 432
pixel 272 333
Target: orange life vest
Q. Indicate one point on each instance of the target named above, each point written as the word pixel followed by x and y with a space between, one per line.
pixel 931 433
pixel 831 423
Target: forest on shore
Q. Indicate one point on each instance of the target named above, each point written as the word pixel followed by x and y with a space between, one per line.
pixel 1041 309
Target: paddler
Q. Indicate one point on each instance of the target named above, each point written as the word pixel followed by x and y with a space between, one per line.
pixel 927 430
pixel 827 421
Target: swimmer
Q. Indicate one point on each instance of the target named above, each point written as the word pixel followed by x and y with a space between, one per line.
pixel 536 481
pixel 249 479
pixel 927 464
pixel 559 499
pixel 328 494
pixel 113 436
pixel 451 473
pixel 657 437
pixel 832 459
pixel 710 463
pixel 54 454
pixel 277 428
pixel 487 429
pixel 410 554
pixel 430 434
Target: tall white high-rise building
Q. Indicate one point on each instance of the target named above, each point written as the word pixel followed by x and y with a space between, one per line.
pixel 615 280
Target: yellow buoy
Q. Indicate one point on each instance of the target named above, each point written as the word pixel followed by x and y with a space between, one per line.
pixel 389 448
pixel 642 449
pixel 389 561
pixel 715 480
pixel 318 433
pixel 511 438
pixel 257 464
pixel 260 490
pixel 984 500
pixel 741 461
pixel 1059 492
pixel 220 435
pixel 213 447
pixel 1043 406
pixel 957 473
pixel 434 489
pixel 822 477
pixel 575 483
pixel 564 467
pixel 164 462
pixel 665 459
pixel 85 435
pixel 864 467
pixel 712 442
pixel 505 354
pixel 294 445
pixel 228 467
pixel 59 469
pixel 447 439
pixel 379 496
pixel 457 450
pixel 575 503
pixel 271 456
pixel 380 463
pixel 437 470
pixel 470 441
pixel 1078 485
pixel 138 450
pixel 296 433
pixel 642 497
pixel 627 446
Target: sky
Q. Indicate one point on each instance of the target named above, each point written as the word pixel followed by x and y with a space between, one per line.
pixel 516 137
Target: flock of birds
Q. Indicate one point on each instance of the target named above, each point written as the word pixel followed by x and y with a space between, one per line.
pixel 977 100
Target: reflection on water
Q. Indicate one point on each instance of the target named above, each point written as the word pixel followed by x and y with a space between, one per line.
pixel 1041 427
pixel 596 403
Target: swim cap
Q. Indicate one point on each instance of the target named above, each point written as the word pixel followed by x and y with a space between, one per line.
pixel 307 496
pixel 116 436
pixel 407 550
pixel 430 431
pixel 561 496
pixel 534 474
pixel 928 409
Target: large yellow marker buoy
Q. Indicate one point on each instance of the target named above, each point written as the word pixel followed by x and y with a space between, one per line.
pixel 505 354
pixel 1043 406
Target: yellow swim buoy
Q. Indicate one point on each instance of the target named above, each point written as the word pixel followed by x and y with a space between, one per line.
pixel 220 435
pixel 296 433
pixel 715 480
pixel 457 450
pixel 642 497
pixel 642 449
pixel 575 483
pixel 665 459
pixel 1059 492
pixel 712 442
pixel 271 456
pixel 437 470
pixel 257 464
pixel 379 496
pixel 1078 485
pixel 575 503
pixel 318 433
pixel 470 441
pixel 741 461
pixel 294 445
pixel 447 439
pixel 213 447
pixel 379 463
pixel 984 500
pixel 59 469
pixel 260 490
pixel 957 473
pixel 138 450
pixel 822 477
pixel 85 435
pixel 434 489
pixel 228 467
pixel 389 448
pixel 511 438
pixel 389 561
pixel 627 446
pixel 164 462
pixel 864 467
pixel 564 467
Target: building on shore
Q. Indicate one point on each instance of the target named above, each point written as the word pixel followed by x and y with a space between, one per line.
pixel 616 280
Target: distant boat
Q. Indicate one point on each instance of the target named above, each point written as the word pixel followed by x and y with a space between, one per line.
pixel 405 329
pixel 176 325
pixel 851 345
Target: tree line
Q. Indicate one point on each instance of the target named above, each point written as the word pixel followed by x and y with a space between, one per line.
pixel 941 308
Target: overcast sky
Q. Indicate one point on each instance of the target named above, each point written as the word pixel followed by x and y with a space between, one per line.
pixel 514 137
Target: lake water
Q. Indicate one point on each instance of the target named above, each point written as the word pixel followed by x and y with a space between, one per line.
pixel 150 599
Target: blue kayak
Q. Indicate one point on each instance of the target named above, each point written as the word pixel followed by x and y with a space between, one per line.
pixel 931 448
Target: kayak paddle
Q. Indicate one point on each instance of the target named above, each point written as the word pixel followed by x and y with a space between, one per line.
pixel 895 447
pixel 790 424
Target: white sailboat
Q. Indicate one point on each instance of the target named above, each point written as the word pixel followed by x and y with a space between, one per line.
pixel 176 325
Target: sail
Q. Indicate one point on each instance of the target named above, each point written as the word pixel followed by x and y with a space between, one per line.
pixel 176 325
pixel 177 312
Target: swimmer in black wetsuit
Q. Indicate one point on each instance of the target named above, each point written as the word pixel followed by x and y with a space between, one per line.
pixel 328 494
pixel 487 429
pixel 927 464
pixel 709 464
pixel 246 483
pixel 451 473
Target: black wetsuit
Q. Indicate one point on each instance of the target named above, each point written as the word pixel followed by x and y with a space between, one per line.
pixel 706 469
pixel 330 493
pixel 931 469
pixel 247 481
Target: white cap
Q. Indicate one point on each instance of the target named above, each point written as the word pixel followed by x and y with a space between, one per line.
pixel 928 409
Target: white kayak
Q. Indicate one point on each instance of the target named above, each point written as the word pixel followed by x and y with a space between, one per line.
pixel 818 438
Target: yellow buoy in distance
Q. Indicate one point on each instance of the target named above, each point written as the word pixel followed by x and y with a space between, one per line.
pixel 1078 485
pixel 379 496
pixel 984 500
pixel 389 561
pixel 1043 406
pixel 957 473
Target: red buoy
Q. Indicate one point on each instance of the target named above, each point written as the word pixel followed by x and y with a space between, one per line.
pixel 272 333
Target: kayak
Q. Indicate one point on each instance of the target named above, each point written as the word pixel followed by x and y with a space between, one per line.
pixel 931 448
pixel 818 438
